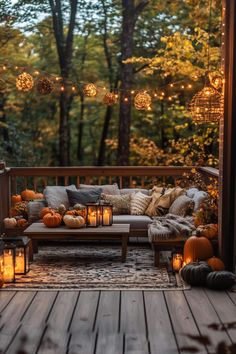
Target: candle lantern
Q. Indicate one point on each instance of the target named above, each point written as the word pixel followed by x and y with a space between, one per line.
pixel 93 214
pixel 21 244
pixel 107 214
pixel 177 260
pixel 9 263
pixel 1 262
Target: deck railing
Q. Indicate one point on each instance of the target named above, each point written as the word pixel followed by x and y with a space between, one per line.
pixel 14 179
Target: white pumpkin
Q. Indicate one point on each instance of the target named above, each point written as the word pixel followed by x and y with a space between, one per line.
pixel 10 222
pixel 74 221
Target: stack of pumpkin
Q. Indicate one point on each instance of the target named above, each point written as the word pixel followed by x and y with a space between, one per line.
pixel 202 268
pixel 74 218
pixel 18 211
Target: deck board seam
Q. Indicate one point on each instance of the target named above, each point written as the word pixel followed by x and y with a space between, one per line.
pixel 171 323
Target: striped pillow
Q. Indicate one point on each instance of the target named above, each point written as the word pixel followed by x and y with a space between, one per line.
pixel 139 203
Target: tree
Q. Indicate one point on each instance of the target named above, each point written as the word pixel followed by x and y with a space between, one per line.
pixel 130 13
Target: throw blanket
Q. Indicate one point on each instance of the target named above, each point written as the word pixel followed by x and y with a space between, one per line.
pixel 170 226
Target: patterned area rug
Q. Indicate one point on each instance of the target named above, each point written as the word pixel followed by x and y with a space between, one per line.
pixel 78 266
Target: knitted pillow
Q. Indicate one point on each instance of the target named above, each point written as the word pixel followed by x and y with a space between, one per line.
pixel 182 206
pixel 121 203
pixel 157 192
pixel 139 203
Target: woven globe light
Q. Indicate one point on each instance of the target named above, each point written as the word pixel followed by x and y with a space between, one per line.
pixel 207 106
pixel 110 98
pixel 44 86
pixel 142 101
pixel 90 90
pixel 24 82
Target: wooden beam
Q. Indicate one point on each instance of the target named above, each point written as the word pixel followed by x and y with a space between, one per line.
pixel 227 210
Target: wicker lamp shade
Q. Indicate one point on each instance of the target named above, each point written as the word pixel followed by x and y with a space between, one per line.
pixel 142 101
pixel 90 90
pixel 207 106
pixel 110 98
pixel 24 82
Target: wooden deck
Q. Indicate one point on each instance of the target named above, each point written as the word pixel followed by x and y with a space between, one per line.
pixel 114 322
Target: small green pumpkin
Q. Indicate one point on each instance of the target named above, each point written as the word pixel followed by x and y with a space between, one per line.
pixel 195 273
pixel 220 280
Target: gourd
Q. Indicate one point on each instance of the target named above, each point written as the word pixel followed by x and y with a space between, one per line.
pixel 28 194
pixel 16 198
pixel 220 280
pixel 61 209
pixel 197 248
pixel 195 273
pixel 81 209
pixel 45 211
pixel 209 231
pixel 38 196
pixel 22 222
pixel 74 221
pixel 52 219
pixel 216 263
pixel 10 222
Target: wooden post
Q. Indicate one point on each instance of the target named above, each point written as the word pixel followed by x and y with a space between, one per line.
pixel 4 194
pixel 227 210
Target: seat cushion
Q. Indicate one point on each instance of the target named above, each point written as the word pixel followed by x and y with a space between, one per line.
pixel 137 222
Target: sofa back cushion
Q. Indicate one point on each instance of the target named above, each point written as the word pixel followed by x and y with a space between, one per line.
pixel 111 189
pixel 182 206
pixel 56 195
pixel 134 190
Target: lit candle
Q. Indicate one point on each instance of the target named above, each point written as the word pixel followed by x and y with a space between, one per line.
pixel 177 262
pixel 106 217
pixel 8 269
pixel 19 262
pixel 92 219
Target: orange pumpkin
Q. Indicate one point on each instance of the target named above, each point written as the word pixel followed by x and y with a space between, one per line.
pixel 52 219
pixel 216 263
pixel 209 231
pixel 197 248
pixel 72 212
pixel 38 196
pixel 13 212
pixel 22 222
pixel 28 194
pixel 45 211
pixel 16 198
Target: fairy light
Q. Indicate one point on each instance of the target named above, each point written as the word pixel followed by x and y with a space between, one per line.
pixel 171 85
pixel 182 86
pixel 73 88
pixel 126 99
pixel 62 88
pixel 163 93
pixel 170 98
pixel 36 72
pixel 132 92
pixel 57 78
pixel 4 67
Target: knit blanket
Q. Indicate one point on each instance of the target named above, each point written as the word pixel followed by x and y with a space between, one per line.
pixel 170 227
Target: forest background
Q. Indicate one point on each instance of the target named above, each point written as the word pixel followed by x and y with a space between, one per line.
pixel 159 46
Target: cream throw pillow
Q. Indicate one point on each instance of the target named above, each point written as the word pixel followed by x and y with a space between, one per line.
pixel 139 203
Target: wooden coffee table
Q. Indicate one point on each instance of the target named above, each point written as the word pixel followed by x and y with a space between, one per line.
pixel 38 231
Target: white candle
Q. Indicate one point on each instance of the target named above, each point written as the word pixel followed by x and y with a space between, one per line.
pixel 106 217
pixel 8 269
pixel 177 262
pixel 20 263
pixel 92 219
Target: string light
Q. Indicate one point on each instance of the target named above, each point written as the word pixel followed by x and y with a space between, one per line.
pixel 73 88
pixel 62 88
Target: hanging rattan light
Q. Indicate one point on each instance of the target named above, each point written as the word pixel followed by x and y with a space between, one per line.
pixel 207 106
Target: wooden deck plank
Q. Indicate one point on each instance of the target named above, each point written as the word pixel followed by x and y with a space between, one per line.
pixel 5 298
pixel 225 309
pixel 232 296
pixel 136 344
pixel 56 336
pixel 182 320
pixel 132 318
pixel 85 312
pixel 161 337
pixel 204 314
pixel 33 323
pixel 108 312
pixel 82 343
pixel 109 343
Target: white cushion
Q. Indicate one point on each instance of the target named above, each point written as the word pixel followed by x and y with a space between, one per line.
pixel 56 195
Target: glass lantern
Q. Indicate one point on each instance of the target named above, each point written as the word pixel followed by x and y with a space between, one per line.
pixel 1 262
pixel 107 214
pixel 177 260
pixel 21 244
pixel 93 214
pixel 9 263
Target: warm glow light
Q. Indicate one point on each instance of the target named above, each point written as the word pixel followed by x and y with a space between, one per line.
pixel 190 86
pixel 73 88
pixel 163 93
pixel 62 88
pixel 171 85
pixel 126 99
pixel 36 72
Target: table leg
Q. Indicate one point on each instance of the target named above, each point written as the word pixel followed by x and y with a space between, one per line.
pixel 35 246
pixel 156 257
pixel 124 247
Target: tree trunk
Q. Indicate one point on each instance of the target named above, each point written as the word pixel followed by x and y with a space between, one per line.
pixel 80 152
pixel 3 128
pixel 102 149
pixel 130 15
